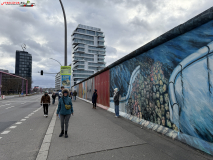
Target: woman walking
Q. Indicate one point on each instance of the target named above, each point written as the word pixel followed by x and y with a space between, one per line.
pixel 94 98
pixel 65 109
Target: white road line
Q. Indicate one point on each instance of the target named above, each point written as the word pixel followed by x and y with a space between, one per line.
pixel 23 119
pixel 18 123
pixel 7 104
pixel 26 117
pixel 5 132
pixel 0 137
pixel 13 127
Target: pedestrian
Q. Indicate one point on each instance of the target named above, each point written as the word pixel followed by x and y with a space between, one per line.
pixel 116 101
pixel 45 99
pixel 60 92
pixel 74 94
pixel 65 109
pixel 53 98
pixel 60 95
pixel 71 94
pixel 94 98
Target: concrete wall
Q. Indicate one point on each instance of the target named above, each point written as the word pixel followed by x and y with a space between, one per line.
pixel 168 82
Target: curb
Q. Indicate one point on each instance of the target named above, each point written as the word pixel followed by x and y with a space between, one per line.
pixel 44 150
pixel 184 138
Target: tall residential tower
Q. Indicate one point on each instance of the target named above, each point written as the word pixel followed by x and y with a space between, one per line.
pixel 88 52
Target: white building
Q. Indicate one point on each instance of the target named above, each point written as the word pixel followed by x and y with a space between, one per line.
pixel 58 81
pixel 88 52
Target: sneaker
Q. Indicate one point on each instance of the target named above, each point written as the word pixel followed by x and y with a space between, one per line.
pixel 116 116
pixel 44 115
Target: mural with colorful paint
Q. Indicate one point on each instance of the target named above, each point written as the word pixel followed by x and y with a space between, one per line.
pixel 145 82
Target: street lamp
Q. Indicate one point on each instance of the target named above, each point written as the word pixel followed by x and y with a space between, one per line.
pixel 65 35
pixel 56 61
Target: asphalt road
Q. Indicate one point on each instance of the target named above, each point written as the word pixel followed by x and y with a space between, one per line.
pixel 22 127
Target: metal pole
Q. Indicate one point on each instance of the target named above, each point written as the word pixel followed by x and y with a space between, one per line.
pixel 0 83
pixel 26 87
pixel 65 36
pixel 22 86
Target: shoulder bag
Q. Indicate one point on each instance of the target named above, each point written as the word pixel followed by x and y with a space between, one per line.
pixel 66 106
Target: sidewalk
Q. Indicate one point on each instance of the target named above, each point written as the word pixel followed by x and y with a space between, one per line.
pixel 97 134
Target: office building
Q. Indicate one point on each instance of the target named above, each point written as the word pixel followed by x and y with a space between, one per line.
pixel 88 52
pixel 23 66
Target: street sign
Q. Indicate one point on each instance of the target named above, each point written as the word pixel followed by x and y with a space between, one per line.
pixel 66 76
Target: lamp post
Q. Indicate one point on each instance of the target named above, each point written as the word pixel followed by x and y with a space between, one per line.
pixel 56 61
pixel 65 35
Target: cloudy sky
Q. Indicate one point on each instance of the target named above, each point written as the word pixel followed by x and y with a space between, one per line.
pixel 127 25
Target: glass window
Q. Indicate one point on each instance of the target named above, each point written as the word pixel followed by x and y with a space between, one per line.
pixel 101 38
pixel 101 43
pixel 80 71
pixel 80 30
pixel 91 51
pixel 91 32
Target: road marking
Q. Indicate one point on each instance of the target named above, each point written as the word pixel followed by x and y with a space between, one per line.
pixel 5 132
pixel 19 123
pixel 7 104
pixel 26 117
pixel 0 137
pixel 13 127
pixel 9 107
pixel 23 119
pixel 45 146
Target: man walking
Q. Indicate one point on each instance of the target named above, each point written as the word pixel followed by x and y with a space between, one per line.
pixel 94 98
pixel 45 99
pixel 53 98
pixel 74 94
pixel 116 101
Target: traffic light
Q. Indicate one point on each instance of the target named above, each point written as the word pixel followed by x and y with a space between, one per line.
pixel 42 72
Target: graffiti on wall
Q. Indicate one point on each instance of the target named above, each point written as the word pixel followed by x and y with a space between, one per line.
pixel 145 88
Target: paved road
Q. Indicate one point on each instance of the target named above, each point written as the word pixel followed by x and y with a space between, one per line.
pixel 22 127
pixel 98 135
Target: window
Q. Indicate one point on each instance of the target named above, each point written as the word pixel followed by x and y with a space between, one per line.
pixel 83 36
pixel 91 32
pixel 80 75
pixel 82 54
pixel 100 52
pixel 99 34
pixel 91 51
pixel 101 56
pixel 88 72
pixel 96 64
pixel 83 41
pixel 80 30
pixel 100 43
pixel 101 38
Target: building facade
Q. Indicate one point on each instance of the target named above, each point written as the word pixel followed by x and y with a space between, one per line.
pixel 58 81
pixel 23 66
pixel 88 52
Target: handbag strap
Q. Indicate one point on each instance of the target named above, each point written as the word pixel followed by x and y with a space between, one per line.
pixel 63 100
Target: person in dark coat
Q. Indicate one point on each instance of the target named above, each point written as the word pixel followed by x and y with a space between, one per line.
pixel 116 101
pixel 65 113
pixel 53 97
pixel 74 94
pixel 45 99
pixel 94 98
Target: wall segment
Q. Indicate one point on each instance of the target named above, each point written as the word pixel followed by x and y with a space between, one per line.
pixel 167 82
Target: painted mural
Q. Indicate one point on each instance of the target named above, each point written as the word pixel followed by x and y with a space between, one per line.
pixel 152 89
pixel 90 88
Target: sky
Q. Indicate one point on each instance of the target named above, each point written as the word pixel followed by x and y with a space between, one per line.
pixel 127 25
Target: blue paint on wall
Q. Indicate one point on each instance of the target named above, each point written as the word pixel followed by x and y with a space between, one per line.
pixel 149 95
